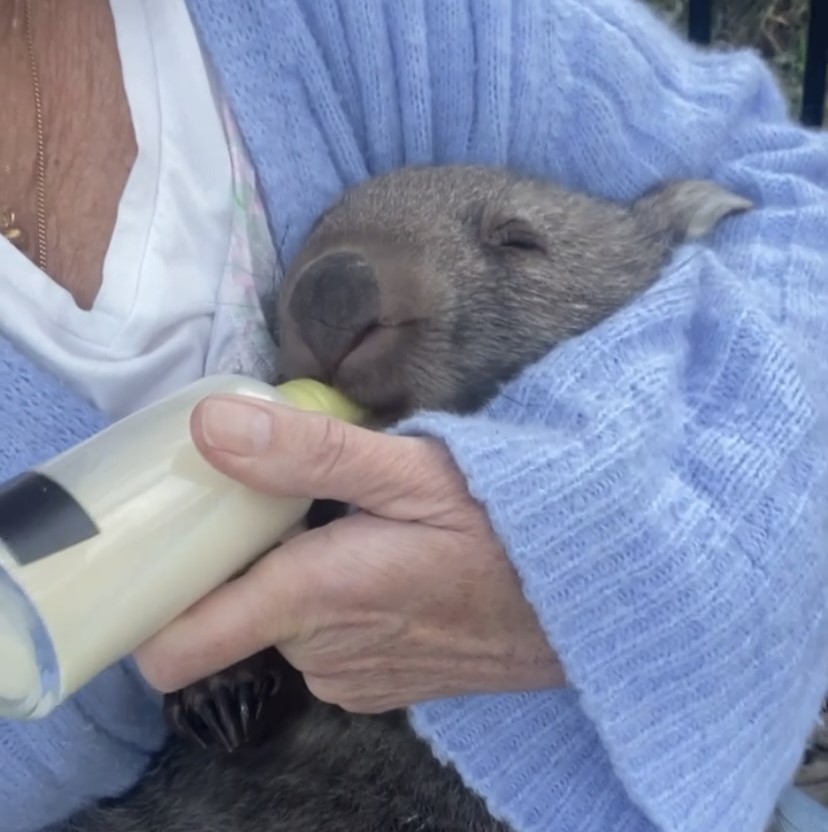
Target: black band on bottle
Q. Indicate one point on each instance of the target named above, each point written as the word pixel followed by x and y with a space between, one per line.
pixel 38 518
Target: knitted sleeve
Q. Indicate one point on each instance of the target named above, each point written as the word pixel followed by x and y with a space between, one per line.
pixel 96 744
pixel 660 482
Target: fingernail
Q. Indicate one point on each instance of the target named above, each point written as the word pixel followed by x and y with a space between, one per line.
pixel 236 428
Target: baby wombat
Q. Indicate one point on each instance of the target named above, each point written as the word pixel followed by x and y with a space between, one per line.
pixel 427 288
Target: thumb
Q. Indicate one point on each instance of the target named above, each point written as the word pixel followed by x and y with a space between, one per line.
pixel 294 453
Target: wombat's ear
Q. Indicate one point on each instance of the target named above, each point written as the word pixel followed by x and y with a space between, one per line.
pixel 692 207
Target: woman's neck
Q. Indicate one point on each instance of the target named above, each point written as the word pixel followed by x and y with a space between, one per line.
pixel 88 137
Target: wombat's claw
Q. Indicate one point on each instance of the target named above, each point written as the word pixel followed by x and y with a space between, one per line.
pixel 223 717
pixel 180 721
pixel 224 708
pixel 205 716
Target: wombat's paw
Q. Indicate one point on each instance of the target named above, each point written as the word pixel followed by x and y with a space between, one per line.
pixel 224 709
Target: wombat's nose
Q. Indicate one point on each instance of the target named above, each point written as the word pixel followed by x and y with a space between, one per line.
pixel 334 305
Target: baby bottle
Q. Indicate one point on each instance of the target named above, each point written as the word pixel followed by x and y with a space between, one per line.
pixel 108 542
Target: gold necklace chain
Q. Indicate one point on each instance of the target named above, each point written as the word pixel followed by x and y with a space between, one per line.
pixel 8 226
pixel 41 140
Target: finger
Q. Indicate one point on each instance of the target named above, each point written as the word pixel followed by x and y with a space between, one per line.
pixel 266 604
pixel 288 452
pixel 282 600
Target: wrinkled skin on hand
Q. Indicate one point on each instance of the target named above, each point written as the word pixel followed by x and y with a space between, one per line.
pixel 411 598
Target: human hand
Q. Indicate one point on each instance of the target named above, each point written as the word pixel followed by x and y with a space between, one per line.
pixel 412 598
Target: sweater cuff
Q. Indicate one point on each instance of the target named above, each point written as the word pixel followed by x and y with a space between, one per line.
pixel 94 746
pixel 535 758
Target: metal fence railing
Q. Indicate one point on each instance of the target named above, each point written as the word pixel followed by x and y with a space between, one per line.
pixel 812 112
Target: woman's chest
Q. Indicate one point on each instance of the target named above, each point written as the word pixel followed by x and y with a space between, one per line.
pixel 67 159
pixel 159 220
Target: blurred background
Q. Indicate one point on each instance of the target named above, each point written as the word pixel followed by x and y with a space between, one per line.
pixel 777 29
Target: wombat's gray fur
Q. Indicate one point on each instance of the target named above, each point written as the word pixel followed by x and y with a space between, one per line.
pixel 430 287
pixel 425 288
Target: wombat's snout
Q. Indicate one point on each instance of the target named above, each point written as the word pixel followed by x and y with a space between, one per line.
pixel 333 311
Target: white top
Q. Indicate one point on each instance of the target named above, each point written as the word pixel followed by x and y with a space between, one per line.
pixel 152 325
